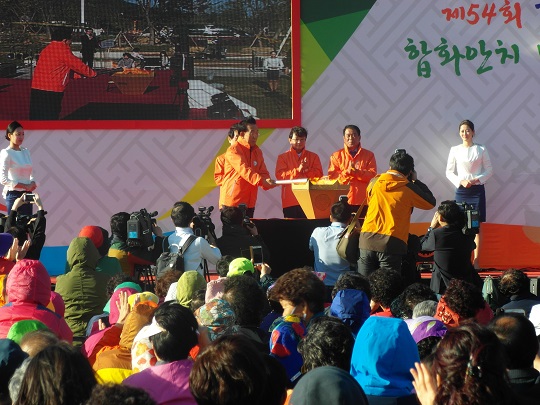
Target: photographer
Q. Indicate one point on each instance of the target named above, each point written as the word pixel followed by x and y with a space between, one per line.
pixel 391 198
pixel 239 233
pixel 183 217
pixel 131 256
pixel 29 231
pixel 453 249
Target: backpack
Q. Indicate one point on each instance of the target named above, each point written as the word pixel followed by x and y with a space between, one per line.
pixel 173 261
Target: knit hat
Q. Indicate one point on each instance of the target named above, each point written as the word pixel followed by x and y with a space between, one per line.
pixel 98 236
pixel 6 240
pixel 328 385
pixel 19 329
pixel 424 327
pixel 94 234
pixel 240 266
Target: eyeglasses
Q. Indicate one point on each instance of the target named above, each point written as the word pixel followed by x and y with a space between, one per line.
pixel 298 139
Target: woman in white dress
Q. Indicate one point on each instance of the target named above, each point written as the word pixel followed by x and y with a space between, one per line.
pixel 468 168
pixel 16 165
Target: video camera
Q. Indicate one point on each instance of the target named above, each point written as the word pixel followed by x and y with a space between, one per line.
pixel 203 224
pixel 472 218
pixel 139 229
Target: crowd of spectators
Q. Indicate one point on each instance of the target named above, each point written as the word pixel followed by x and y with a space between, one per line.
pixel 99 337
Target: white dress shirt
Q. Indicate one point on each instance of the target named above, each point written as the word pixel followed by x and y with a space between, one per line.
pixel 16 168
pixel 200 249
pixel 468 163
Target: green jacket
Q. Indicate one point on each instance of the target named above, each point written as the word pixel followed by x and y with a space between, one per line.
pixel 84 290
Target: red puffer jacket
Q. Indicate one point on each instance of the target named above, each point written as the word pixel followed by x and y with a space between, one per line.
pixel 28 291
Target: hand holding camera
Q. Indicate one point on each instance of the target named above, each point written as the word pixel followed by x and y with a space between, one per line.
pixel 435 223
pixel 27 198
pixel 263 268
pixel 250 226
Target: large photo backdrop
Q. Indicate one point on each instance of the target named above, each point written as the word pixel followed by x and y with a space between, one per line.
pixel 184 63
pixel 362 64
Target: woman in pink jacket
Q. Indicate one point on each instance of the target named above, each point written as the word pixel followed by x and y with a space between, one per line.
pixel 28 291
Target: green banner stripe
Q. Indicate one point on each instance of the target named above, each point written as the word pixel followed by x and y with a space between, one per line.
pixel 314 59
pixel 317 10
pixel 333 33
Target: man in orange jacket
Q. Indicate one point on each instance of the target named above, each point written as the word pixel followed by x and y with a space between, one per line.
pixel 353 165
pixel 56 61
pixel 219 165
pixel 296 163
pixel 245 170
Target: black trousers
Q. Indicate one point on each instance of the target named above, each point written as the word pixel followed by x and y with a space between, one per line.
pixel 45 105
pixel 294 212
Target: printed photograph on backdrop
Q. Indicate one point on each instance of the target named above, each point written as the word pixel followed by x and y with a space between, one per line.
pixel 185 63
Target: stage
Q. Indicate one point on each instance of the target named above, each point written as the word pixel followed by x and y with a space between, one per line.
pixel 502 246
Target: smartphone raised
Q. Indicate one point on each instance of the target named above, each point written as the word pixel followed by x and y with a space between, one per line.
pixel 28 197
pixel 256 255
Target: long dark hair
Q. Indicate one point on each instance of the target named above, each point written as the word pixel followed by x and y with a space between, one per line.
pixel 470 363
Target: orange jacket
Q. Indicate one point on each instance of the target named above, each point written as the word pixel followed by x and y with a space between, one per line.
pixel 245 171
pixel 287 169
pixel 365 168
pixel 54 65
pixel 219 172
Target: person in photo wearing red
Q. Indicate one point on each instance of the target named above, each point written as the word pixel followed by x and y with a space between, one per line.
pixel 51 76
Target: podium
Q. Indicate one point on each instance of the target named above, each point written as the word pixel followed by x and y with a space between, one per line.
pixel 316 197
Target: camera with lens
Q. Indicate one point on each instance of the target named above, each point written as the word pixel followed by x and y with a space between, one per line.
pixel 246 221
pixel 472 218
pixel 202 222
pixel 139 229
pixel 24 221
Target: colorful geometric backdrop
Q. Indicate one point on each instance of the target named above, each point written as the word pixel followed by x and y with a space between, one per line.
pixel 407 72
